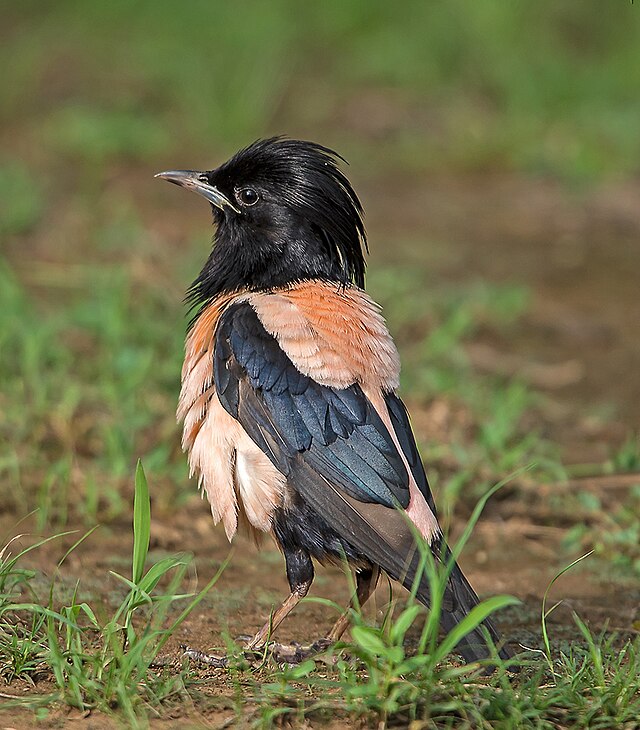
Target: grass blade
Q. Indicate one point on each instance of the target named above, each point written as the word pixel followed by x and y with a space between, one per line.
pixel 471 621
pixel 141 523
pixel 545 613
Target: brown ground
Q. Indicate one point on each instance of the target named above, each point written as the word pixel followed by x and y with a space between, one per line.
pixel 580 254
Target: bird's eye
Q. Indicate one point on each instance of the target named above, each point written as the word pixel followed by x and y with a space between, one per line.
pixel 247 196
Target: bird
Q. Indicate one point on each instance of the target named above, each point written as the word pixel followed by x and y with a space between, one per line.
pixel 288 402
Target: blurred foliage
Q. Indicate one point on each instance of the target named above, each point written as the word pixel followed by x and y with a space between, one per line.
pixel 94 135
pixel 76 405
pixel 486 435
pixel 612 533
pixel 627 457
pixel 545 87
pixel 21 199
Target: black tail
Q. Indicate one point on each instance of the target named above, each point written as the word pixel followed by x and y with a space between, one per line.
pixel 459 598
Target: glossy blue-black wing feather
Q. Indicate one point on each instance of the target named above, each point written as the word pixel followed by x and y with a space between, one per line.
pixel 335 430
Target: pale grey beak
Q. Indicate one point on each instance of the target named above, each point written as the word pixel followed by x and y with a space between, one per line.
pixel 197 181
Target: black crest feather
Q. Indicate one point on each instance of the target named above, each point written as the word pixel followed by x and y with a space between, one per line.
pixel 308 175
pixel 309 223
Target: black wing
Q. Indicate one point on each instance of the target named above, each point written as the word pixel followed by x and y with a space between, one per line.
pixel 330 443
pixel 337 432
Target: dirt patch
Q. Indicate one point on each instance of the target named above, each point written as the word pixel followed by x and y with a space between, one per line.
pixel 578 252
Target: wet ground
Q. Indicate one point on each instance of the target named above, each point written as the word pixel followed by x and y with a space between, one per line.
pixel 580 343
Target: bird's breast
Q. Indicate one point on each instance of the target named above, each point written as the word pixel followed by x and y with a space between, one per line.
pixel 335 336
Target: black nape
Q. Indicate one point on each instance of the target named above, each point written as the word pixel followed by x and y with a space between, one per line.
pixel 297 218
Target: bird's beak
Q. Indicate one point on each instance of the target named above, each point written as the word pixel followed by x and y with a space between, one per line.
pixel 197 181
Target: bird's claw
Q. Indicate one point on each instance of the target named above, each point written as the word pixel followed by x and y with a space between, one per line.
pixel 293 653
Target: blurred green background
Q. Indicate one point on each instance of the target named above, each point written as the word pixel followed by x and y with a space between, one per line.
pixel 470 126
pixel 541 87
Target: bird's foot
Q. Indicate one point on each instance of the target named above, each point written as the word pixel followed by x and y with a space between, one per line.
pixel 293 653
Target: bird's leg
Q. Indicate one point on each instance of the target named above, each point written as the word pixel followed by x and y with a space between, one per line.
pixel 300 576
pixel 366 581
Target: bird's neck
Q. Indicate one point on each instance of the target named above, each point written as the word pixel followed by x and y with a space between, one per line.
pixel 265 265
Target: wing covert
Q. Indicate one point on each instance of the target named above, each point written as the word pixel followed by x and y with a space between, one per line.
pixel 337 432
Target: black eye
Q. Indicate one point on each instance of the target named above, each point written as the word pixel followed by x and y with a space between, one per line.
pixel 247 196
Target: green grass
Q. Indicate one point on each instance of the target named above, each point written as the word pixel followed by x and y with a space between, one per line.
pixel 397 674
pixel 108 663
pixel 97 662
pixel 593 686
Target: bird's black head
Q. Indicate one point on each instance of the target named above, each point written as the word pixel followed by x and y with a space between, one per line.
pixel 284 213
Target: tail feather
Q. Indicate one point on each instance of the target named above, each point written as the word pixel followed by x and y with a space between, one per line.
pixel 458 600
pixel 462 598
